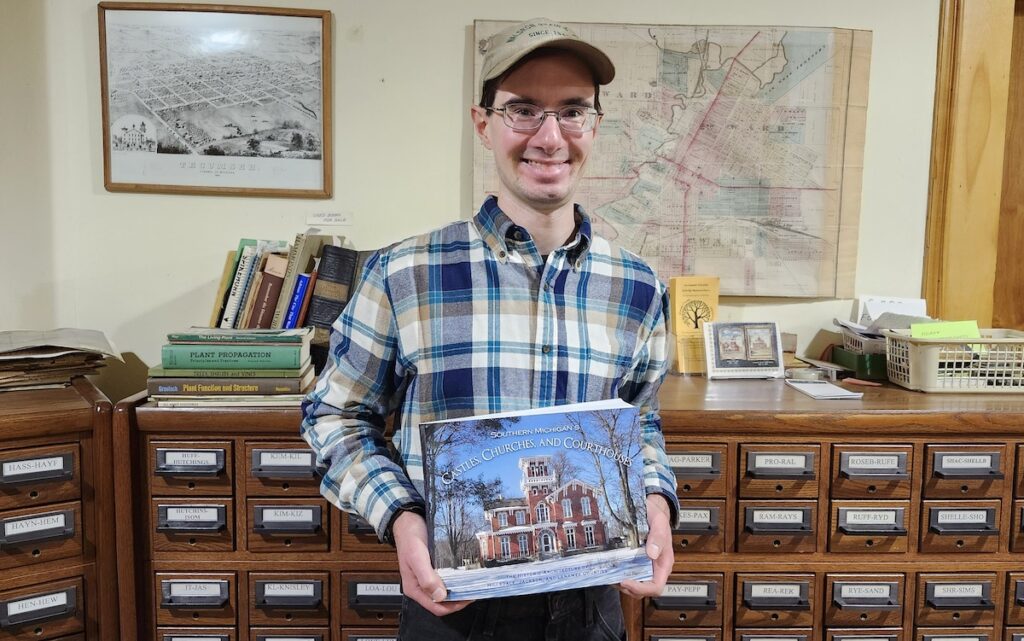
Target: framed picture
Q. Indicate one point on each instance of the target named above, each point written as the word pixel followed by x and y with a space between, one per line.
pixel 216 99
pixel 743 350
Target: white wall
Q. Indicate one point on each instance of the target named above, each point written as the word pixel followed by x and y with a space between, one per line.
pixel 137 266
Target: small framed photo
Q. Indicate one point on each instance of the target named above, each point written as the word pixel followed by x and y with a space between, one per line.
pixel 743 350
pixel 216 99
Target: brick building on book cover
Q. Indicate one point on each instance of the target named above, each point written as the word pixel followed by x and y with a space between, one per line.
pixel 546 522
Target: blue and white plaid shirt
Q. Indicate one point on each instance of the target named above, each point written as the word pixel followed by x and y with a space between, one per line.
pixel 469 320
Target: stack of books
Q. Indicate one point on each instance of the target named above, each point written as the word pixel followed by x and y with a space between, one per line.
pixel 252 368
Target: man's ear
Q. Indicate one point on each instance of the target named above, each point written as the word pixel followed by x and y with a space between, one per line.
pixel 480 120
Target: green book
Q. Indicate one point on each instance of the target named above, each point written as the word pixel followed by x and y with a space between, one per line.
pixel 159 372
pixel 220 356
pixel 244 336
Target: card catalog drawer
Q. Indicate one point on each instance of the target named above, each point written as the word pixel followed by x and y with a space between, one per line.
pixel 1017 533
pixel 1015 598
pixel 869 526
pixel 1013 634
pixel 289 634
pixel 784 527
pixel 206 598
pixel 35 475
pixel 960 526
pixel 196 634
pixel 864 634
pixel 785 600
pixel 359 536
pixel 701 528
pixel 280 469
pixel 964 471
pixel 190 467
pixel 775 634
pixel 289 598
pixel 955 634
pixel 40 534
pixel 368 634
pixel 956 599
pixel 43 611
pixel 701 469
pixel 199 525
pixel 779 471
pixel 370 598
pixel 292 525
pixel 872 471
pixel 687 600
pixel 864 600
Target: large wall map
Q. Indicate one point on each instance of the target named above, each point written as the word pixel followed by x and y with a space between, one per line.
pixel 728 150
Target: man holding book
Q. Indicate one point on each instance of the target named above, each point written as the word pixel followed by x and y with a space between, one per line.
pixel 523 306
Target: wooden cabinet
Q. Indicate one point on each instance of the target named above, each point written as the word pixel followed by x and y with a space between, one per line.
pixel 56 515
pixel 805 520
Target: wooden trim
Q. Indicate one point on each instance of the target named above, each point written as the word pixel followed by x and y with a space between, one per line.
pixel 968 135
pixel 123 451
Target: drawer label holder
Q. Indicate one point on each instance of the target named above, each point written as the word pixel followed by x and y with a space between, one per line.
pixel 359 525
pixel 874 466
pixel 37 527
pixel 763 520
pixel 696 465
pixel 776 596
pixel 781 465
pixel 375 596
pixel 195 637
pixel 35 470
pixel 307 594
pixel 955 596
pixel 698 520
pixel 200 517
pixel 38 607
pixel 285 519
pixel 291 637
pixel 185 462
pixel 194 593
pixel 981 521
pixel 866 596
pixel 861 521
pixel 967 465
pixel 692 595
pixel 290 464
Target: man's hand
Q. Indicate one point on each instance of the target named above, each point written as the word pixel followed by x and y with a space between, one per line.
pixel 419 581
pixel 659 549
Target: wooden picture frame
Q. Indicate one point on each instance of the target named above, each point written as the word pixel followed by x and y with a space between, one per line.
pixel 216 99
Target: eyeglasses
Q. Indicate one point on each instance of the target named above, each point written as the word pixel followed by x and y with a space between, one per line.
pixel 522 116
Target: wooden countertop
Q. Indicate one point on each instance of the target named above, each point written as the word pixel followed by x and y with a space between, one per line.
pixel 49 411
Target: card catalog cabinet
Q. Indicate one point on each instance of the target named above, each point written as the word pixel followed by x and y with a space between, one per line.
pixel 57 571
pixel 894 518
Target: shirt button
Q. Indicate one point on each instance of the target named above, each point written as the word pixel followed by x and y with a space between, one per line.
pixel 547 287
pixel 546 349
pixel 501 254
pixel 519 235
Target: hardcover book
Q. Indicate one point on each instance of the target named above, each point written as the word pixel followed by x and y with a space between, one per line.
pixel 536 501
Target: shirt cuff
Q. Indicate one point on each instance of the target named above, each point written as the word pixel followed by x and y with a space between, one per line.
pixel 673 506
pixel 387 535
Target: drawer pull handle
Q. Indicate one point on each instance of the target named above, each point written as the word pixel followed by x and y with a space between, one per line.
pixel 37 608
pixel 37 527
pixel 35 470
pixel 289 594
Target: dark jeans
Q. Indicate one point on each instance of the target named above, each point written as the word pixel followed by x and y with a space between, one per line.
pixel 590 614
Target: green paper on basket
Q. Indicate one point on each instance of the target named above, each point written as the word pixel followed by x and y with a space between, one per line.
pixel 946 329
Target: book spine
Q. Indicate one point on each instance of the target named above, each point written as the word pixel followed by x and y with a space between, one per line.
pixel 301 320
pixel 337 267
pixel 230 356
pixel 160 372
pixel 240 337
pixel 291 319
pixel 290 273
pixel 226 276
pixel 227 321
pixel 223 386
pixel 266 300
pixel 250 302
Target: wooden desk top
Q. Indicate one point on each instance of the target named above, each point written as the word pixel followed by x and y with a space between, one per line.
pixel 49 411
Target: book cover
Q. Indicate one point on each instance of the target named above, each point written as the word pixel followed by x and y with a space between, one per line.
pixel 536 501
pixel 331 291
pixel 214 356
pixel 226 276
pixel 694 301
pixel 268 292
pixel 295 305
pixel 295 372
pixel 246 336
pixel 304 310
pixel 186 386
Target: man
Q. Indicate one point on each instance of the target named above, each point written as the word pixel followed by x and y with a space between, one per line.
pixel 523 306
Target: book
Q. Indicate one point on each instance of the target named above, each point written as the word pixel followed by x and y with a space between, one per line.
pixel 226 276
pixel 214 356
pixel 305 249
pixel 294 372
pixel 289 400
pixel 227 386
pixel 694 301
pixel 536 501
pixel 821 390
pixel 336 274
pixel 295 305
pixel 247 336
pixel 304 310
pixel 235 294
pixel 268 291
pixel 250 299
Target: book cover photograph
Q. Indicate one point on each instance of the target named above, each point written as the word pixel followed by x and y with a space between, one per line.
pixel 536 501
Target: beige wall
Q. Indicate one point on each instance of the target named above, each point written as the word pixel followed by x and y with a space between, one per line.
pixel 138 266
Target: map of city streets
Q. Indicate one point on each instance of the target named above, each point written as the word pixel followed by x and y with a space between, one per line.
pixel 729 151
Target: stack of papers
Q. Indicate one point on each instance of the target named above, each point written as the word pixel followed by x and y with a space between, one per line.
pixel 36 360
pixel 820 390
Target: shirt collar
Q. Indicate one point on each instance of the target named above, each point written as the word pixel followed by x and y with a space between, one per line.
pixel 496 228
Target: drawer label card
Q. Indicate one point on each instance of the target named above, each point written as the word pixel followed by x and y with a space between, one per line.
pixel 287 514
pixel 962 516
pixel 784 461
pixel 193 514
pixel 196 588
pixel 289 589
pixel 695 516
pixel 855 516
pixel 966 461
pixel 874 461
pixel 33 466
pixel 32 604
pixel 958 590
pixel 378 589
pixel 286 458
pixel 778 516
pixel 775 590
pixel 205 637
pixel 686 590
pixel 35 524
pixel 191 458
pixel 865 591
pixel 690 461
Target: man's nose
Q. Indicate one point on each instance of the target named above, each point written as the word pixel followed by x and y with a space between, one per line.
pixel 549 137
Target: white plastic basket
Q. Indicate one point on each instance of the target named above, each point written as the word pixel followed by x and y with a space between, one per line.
pixel 993 363
pixel 854 342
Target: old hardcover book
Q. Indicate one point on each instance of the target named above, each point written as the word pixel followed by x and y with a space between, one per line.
pixel 304 250
pixel 268 292
pixel 214 356
pixel 228 386
pixel 330 293
pixel 245 336
pixel 226 275
pixel 694 301
pixel 294 372
pixel 536 501
pixel 234 301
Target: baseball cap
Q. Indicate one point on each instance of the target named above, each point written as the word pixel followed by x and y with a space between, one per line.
pixel 507 47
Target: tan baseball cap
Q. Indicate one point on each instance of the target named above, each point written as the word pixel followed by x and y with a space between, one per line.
pixel 509 46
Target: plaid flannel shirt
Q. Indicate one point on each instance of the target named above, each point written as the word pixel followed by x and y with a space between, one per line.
pixel 468 320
